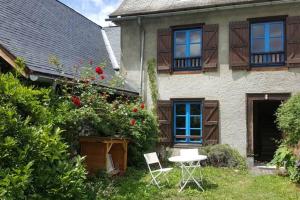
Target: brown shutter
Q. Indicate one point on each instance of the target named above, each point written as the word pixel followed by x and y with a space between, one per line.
pixel 239 45
pixel 164 112
pixel 164 50
pixel 293 41
pixel 211 122
pixel 210 47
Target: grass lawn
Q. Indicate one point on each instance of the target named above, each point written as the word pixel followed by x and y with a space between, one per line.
pixel 219 183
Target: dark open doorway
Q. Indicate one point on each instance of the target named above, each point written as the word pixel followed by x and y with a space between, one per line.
pixel 265 132
pixel 262 131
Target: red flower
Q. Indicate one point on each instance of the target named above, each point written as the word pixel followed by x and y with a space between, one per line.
pixel 102 77
pixel 132 122
pixel 135 110
pixel 76 101
pixel 99 70
pixel 142 106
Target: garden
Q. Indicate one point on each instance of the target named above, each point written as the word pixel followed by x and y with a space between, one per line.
pixel 39 149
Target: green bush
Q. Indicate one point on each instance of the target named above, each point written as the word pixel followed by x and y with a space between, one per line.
pixel 284 157
pixel 100 114
pixel 223 156
pixel 288 120
pixel 34 162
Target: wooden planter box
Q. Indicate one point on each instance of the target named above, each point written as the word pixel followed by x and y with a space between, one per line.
pixel 96 150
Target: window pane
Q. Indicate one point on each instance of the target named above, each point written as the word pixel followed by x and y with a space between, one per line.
pixel 276 44
pixel 195 50
pixel 276 29
pixel 258 30
pixel 180 109
pixel 258 45
pixel 196 133
pixel 195 109
pixel 195 36
pixel 180 132
pixel 180 51
pixel 180 122
pixel 180 37
pixel 195 122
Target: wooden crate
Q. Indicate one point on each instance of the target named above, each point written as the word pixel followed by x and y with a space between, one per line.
pixel 96 150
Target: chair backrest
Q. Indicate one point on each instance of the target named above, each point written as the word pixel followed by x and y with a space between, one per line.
pixel 189 152
pixel 151 158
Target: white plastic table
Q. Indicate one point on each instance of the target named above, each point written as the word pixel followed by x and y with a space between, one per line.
pixel 188 166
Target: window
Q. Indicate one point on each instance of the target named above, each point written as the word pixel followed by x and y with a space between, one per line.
pixel 267 44
pixel 188 122
pixel 187 49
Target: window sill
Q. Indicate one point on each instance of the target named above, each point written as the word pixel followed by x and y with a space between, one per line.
pixel 187 145
pixel 268 68
pixel 187 72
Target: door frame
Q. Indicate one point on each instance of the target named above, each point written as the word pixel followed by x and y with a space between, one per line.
pixel 251 97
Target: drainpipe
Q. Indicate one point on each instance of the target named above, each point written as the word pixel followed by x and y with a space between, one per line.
pixel 142 47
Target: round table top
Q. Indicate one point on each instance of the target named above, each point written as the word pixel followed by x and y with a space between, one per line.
pixel 191 158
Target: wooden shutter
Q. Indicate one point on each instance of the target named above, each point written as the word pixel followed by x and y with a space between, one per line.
pixel 210 47
pixel 164 50
pixel 239 45
pixel 211 122
pixel 164 112
pixel 293 41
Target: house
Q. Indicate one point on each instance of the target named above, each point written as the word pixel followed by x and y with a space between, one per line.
pixel 38 29
pixel 223 67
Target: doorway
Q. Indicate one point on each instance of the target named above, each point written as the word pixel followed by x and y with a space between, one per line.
pixel 263 134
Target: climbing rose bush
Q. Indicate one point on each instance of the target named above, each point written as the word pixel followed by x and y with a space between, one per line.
pixel 88 109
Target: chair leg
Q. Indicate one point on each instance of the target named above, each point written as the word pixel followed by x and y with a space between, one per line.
pixel 154 180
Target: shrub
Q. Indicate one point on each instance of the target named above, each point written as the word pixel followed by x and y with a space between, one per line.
pixel 288 120
pixel 284 157
pixel 223 156
pixel 86 109
pixel 34 162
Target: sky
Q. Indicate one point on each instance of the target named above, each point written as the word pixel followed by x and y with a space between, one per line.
pixel 95 10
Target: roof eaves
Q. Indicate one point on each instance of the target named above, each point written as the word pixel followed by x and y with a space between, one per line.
pixel 135 14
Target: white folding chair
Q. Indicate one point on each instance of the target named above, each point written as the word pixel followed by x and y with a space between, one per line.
pixel 152 159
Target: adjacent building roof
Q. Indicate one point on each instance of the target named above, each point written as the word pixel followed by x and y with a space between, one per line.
pixel 141 7
pixel 38 29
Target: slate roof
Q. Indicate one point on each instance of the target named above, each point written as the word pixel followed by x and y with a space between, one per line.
pixel 37 29
pixel 139 7
pixel 114 36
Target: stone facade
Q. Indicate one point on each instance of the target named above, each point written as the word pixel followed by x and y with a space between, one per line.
pixel 227 86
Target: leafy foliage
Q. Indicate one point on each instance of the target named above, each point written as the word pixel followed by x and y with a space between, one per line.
pixel 288 119
pixel 34 162
pixel 223 156
pixel 153 82
pixel 85 108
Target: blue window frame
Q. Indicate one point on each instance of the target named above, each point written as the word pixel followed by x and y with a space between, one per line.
pixel 267 43
pixel 187 49
pixel 188 122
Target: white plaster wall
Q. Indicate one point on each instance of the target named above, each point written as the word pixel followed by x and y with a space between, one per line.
pixel 227 86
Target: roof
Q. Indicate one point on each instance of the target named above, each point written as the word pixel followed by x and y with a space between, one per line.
pixel 114 36
pixel 38 29
pixel 140 7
